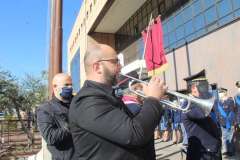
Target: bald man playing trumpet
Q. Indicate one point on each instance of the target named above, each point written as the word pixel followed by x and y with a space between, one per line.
pixel 102 126
pixel 52 119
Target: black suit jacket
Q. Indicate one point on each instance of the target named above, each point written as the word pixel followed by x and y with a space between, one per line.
pixel 203 133
pixel 104 129
pixel 52 120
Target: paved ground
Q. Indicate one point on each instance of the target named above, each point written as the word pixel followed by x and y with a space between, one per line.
pixel 169 151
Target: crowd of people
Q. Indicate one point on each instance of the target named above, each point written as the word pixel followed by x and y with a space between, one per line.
pixel 98 124
pixel 226 114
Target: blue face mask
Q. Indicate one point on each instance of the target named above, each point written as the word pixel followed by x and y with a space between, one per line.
pixel 66 93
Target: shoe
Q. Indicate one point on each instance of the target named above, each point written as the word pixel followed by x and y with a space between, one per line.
pixel 224 153
pixel 230 154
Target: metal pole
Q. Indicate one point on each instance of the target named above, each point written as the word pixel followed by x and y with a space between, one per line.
pixel 55 62
pixel 58 39
pixel 52 32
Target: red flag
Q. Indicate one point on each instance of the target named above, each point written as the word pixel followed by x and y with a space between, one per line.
pixel 154 53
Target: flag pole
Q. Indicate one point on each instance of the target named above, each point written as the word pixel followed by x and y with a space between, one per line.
pixel 145 45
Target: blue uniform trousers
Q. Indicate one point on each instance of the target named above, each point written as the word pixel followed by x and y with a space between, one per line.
pixel 227 140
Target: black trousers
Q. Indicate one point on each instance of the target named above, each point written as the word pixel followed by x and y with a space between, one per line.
pixel 204 155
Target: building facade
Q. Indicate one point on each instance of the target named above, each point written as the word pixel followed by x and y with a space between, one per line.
pixel 198 34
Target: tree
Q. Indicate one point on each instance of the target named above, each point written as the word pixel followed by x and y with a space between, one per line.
pixel 22 96
pixel 34 90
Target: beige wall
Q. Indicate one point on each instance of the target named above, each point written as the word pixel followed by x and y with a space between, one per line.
pixel 170 73
pixel 182 67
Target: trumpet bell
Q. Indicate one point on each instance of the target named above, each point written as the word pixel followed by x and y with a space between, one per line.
pixel 206 105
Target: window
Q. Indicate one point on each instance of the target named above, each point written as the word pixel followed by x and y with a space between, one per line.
pixel 208 3
pixel 162 8
pixel 171 25
pixel 165 40
pixel 226 19
pixel 154 2
pixel 172 38
pixel 211 15
pixel 197 8
pixel 140 26
pixel 179 33
pixel 224 8
pixel 176 1
pixel 168 4
pixel 155 12
pixel 236 4
pixel 75 71
pixel 135 21
pixel 144 12
pixel 145 22
pixel 149 8
pixel 188 28
pixel 237 13
pixel 165 31
pixel 179 19
pixel 198 22
pixel 200 33
pixel 140 45
pixel 187 13
pixel 136 31
pixel 190 37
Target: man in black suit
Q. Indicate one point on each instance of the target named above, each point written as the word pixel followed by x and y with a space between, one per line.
pixel 101 125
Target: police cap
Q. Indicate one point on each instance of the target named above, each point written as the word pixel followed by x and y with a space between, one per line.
pixel 198 77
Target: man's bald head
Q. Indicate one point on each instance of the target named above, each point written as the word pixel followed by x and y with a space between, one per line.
pixel 60 79
pixel 96 52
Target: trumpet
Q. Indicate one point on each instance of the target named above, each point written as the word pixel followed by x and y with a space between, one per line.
pixel 205 105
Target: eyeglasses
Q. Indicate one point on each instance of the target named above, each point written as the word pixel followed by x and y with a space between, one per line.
pixel 113 60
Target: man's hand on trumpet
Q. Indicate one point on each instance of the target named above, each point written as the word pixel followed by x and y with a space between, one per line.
pixel 155 88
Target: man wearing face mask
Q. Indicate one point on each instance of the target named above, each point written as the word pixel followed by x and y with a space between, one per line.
pixel 52 119
pixel 204 135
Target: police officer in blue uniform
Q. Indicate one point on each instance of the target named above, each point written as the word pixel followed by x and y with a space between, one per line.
pixel 237 103
pixel 204 135
pixel 227 118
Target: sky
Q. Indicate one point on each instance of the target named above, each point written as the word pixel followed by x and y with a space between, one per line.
pixel 24 34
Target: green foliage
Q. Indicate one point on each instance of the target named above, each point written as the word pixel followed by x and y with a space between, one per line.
pixel 24 95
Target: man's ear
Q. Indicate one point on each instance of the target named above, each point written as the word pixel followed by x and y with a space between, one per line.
pixel 96 67
pixel 194 87
pixel 54 86
pixel 194 90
